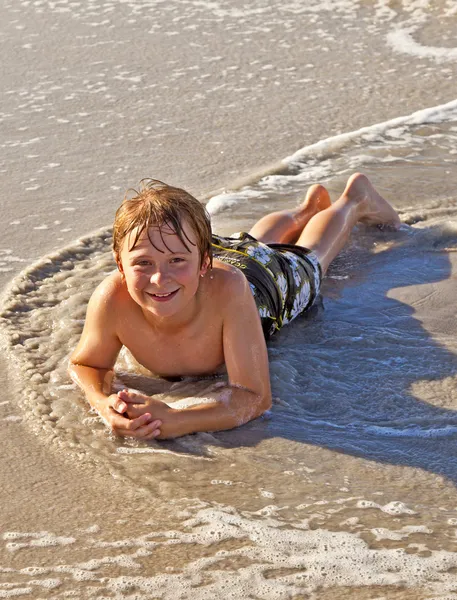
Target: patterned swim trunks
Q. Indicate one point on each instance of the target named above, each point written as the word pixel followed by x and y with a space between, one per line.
pixel 285 279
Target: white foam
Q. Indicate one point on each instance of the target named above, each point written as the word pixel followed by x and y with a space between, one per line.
pixel 221 482
pixel 392 508
pixel 413 431
pixel 267 494
pixel 434 114
pixel 307 560
pixel 275 556
pixel 49 584
pixel 310 163
pixel 227 200
pixel 92 529
pixel 41 539
pixel 401 40
pixel 20 591
pixel 387 534
pixel 127 450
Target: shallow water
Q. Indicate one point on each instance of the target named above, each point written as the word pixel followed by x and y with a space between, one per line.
pixel 370 374
pixel 346 488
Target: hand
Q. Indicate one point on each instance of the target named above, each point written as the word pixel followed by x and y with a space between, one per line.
pixel 142 427
pixel 136 405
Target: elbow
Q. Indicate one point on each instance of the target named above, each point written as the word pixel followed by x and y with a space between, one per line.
pixel 266 403
pixel 71 367
pixel 72 370
pixel 243 405
pixel 75 370
pixel 263 405
pixel 73 361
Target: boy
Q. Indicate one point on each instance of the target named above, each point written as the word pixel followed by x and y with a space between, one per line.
pixel 181 314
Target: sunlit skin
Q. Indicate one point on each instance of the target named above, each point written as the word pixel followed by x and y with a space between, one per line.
pixel 178 317
pixel 158 265
pixel 192 332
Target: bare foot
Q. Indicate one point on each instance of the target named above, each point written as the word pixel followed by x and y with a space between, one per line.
pixel 317 199
pixel 374 209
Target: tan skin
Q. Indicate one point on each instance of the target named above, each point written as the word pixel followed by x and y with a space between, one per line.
pixel 209 318
pixel 192 334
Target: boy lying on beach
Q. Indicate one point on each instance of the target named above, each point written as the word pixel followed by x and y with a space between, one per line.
pixel 185 302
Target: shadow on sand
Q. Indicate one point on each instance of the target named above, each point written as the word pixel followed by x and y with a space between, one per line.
pixel 373 372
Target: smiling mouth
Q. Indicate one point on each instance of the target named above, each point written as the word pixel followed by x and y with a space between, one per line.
pixel 163 297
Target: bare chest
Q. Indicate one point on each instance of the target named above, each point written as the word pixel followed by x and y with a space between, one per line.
pixel 194 350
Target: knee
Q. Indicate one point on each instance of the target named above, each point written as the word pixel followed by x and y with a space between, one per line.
pixel 318 197
pixel 358 180
pixel 317 188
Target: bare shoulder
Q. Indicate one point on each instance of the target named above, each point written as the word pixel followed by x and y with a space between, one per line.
pixel 231 289
pixel 108 300
pixel 230 284
pixel 110 292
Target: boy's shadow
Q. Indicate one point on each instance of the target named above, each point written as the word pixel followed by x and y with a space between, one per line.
pixel 364 376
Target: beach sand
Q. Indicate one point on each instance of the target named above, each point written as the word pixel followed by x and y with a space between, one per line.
pixel 347 489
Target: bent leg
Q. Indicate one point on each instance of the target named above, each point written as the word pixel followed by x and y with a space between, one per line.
pixel 327 231
pixel 284 227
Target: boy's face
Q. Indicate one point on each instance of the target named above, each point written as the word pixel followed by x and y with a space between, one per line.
pixel 163 276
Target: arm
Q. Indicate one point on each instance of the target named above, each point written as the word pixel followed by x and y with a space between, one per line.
pixel 93 359
pixel 248 394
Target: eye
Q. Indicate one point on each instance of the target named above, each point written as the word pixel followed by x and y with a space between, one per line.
pixel 142 263
pixel 177 259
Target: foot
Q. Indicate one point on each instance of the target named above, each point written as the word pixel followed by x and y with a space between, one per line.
pixel 372 207
pixel 317 199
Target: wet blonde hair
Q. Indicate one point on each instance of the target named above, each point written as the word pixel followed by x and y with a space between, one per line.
pixel 158 204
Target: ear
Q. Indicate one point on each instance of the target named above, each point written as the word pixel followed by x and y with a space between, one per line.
pixel 118 263
pixel 205 265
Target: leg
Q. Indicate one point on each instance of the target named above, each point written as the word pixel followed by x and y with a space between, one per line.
pixel 327 232
pixel 285 226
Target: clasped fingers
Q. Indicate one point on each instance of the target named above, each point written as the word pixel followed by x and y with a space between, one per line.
pixel 144 427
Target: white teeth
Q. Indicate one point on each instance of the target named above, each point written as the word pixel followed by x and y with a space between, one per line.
pixel 163 295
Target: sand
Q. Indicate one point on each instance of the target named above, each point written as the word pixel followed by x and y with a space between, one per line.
pixel 204 96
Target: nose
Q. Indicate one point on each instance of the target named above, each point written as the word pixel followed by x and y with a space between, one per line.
pixel 159 275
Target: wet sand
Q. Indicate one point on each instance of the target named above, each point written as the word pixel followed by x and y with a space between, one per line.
pixel 203 97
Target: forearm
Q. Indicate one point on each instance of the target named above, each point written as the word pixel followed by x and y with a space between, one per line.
pixel 234 407
pixel 95 382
